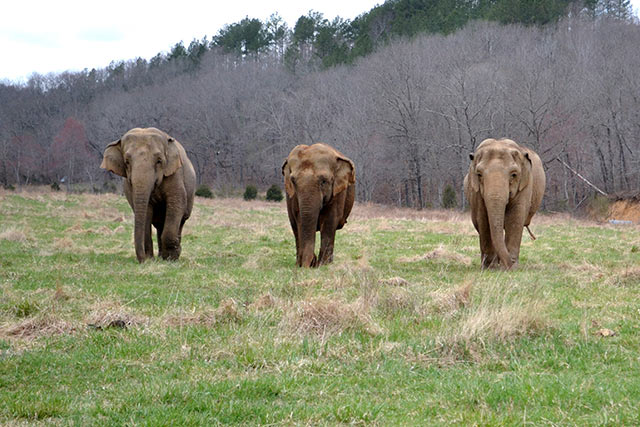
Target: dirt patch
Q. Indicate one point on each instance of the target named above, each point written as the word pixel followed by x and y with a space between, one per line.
pixel 625 210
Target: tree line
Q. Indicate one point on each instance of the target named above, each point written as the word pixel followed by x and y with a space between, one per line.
pixel 407 114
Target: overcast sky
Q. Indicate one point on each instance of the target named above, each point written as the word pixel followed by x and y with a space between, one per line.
pixel 53 36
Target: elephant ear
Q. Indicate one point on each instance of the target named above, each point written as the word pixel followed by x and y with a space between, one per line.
pixel 112 159
pixel 345 175
pixel 288 185
pixel 174 158
pixel 473 177
pixel 525 175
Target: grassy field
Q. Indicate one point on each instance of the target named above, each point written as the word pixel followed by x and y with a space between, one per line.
pixel 403 328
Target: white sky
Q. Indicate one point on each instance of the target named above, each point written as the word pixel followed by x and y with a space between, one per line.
pixel 53 36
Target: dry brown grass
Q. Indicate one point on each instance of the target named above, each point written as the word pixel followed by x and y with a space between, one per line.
pixel 494 314
pixel 395 281
pixel 265 302
pixel 372 210
pixel 629 276
pixel 323 316
pixel 440 253
pixel 449 301
pixel 14 235
pixel 227 312
pixel 396 299
pixel 37 327
pixel 105 314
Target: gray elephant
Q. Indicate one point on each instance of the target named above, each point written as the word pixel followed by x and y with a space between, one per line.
pixel 159 184
pixel 320 186
pixel 504 186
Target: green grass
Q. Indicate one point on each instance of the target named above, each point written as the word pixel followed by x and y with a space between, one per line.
pixel 403 328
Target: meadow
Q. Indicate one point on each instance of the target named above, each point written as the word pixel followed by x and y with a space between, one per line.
pixel 402 329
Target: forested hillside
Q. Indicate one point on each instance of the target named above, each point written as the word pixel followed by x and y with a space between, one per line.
pixel 406 90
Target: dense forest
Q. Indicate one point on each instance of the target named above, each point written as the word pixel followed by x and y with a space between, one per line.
pixel 406 90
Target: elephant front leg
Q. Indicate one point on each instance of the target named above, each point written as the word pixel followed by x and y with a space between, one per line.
pixel 148 243
pixel 327 238
pixel 488 256
pixel 514 226
pixel 172 233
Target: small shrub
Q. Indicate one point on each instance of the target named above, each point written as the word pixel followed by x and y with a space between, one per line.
pixel 9 187
pixel 250 193
pixel 598 207
pixel 449 198
pixel 274 193
pixel 109 187
pixel 204 191
pixel 55 186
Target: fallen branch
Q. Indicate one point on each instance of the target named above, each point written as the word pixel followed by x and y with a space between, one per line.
pixel 581 177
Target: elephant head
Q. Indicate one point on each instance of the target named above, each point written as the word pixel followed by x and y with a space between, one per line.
pixel 313 177
pixel 144 157
pixel 500 172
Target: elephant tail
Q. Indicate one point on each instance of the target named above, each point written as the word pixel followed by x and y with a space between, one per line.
pixel 530 233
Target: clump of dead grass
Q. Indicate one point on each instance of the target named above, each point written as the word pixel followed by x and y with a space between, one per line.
pixel 227 312
pixel 106 314
pixel 36 327
pixel 393 300
pixel 628 277
pixel 395 281
pixel 264 302
pixel 450 301
pixel 14 235
pixel 63 243
pixel 498 313
pixel 322 316
pixel 439 253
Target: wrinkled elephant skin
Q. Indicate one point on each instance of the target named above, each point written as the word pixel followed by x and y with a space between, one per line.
pixel 159 183
pixel 504 186
pixel 320 191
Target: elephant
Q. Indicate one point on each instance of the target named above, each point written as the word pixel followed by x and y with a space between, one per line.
pixel 320 190
pixel 504 187
pixel 159 185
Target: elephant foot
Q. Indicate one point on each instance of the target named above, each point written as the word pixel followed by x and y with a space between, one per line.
pixel 142 259
pixel 490 262
pixel 171 255
pixel 313 263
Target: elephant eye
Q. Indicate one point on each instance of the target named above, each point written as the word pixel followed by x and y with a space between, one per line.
pixel 293 179
pixel 514 175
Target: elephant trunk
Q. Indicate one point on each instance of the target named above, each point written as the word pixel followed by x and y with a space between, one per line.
pixel 496 203
pixel 309 211
pixel 141 195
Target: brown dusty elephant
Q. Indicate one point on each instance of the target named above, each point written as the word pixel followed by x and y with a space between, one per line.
pixel 159 184
pixel 320 186
pixel 504 186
